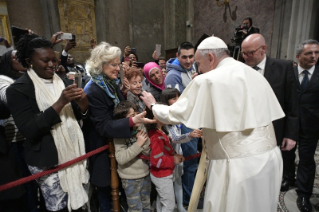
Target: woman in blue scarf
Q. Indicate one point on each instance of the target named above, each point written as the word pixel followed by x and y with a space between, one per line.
pixel 104 94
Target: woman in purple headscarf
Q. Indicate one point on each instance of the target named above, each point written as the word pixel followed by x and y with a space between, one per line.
pixel 154 80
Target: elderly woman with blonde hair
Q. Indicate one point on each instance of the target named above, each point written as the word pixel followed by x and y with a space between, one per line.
pixel 104 94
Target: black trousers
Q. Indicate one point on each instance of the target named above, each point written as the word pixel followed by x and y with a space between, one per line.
pixel 289 168
pixel 308 140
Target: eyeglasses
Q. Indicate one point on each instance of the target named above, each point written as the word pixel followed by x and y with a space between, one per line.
pixel 114 65
pixel 249 54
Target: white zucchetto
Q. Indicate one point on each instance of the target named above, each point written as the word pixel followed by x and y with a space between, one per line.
pixel 212 43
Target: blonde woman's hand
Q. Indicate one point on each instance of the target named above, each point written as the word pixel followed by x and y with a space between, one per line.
pixel 140 119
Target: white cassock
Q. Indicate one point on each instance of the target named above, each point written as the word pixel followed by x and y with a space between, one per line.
pixel 235 106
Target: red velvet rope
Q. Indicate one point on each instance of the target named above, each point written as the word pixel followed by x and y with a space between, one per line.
pixel 69 163
pixel 144 157
pixel 51 170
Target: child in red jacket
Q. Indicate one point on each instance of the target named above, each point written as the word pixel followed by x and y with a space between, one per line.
pixel 163 160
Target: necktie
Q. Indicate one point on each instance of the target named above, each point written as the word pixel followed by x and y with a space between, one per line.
pixel 256 68
pixel 305 80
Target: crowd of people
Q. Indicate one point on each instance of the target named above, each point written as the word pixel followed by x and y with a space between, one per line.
pixel 248 118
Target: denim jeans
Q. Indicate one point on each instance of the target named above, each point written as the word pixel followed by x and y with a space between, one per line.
pixel 190 166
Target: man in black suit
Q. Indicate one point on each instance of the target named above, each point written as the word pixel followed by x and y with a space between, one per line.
pixel 248 27
pixel 307 77
pixel 67 61
pixel 280 75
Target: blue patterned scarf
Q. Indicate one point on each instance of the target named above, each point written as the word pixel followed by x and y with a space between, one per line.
pixel 109 86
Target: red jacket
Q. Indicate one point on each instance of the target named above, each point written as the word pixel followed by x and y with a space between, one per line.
pixel 162 159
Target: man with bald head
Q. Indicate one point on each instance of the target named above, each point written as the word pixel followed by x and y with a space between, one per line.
pixel 280 75
pixel 235 107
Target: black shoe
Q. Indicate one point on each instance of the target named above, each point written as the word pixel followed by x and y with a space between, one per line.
pixel 304 204
pixel 285 184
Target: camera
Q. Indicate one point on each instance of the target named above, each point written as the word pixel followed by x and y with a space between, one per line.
pixel 239 35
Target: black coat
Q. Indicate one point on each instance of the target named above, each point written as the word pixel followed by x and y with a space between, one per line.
pixel 280 75
pixel 309 102
pixel 35 125
pixel 252 31
pixel 101 127
pixel 79 69
pixel 8 165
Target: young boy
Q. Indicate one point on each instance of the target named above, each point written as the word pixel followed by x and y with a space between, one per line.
pixel 135 78
pixel 133 171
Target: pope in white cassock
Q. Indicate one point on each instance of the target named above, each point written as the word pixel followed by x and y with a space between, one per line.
pixel 235 106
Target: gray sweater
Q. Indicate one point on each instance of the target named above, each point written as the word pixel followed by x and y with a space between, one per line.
pixel 129 165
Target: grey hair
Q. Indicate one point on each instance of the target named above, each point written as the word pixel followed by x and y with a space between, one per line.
pixel 217 52
pixel 303 43
pixel 100 55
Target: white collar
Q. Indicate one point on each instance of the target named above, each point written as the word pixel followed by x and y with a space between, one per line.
pixel 262 64
pixel 311 70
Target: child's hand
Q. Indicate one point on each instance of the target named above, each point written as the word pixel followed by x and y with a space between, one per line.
pixel 196 133
pixel 141 138
pixel 178 159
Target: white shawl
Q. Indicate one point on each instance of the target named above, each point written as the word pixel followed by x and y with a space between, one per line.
pixel 68 139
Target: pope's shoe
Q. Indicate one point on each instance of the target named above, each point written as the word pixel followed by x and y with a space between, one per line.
pixel 285 184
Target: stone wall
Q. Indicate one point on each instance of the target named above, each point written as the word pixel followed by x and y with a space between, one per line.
pixel 221 21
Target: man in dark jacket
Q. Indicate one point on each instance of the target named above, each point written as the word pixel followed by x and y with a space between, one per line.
pixel 307 77
pixel 179 74
pixel 248 27
pixel 280 75
pixel 68 62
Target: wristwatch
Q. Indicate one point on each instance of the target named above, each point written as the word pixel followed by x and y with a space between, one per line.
pixel 152 105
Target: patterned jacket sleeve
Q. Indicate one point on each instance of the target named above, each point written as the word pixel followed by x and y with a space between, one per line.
pixel 176 137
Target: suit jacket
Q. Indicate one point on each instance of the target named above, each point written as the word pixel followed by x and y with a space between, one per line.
pixel 309 102
pixel 79 69
pixel 252 31
pixel 35 125
pixel 280 75
pixel 99 128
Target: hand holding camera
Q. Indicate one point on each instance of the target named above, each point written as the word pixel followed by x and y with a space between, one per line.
pixel 69 45
pixel 127 51
pixel 56 38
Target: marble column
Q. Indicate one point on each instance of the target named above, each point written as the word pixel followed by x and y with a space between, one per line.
pixel 146 27
pixel 301 24
pixel 190 21
pixel 112 22
pixel 51 20
pixel 177 12
pixel 26 14
pixel 282 16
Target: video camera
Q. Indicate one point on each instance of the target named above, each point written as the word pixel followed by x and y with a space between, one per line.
pixel 239 35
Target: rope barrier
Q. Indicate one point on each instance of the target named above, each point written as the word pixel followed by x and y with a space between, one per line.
pixel 69 163
pixel 144 157
pixel 51 170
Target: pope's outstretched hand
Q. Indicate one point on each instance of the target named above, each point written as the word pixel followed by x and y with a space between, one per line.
pixel 148 99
